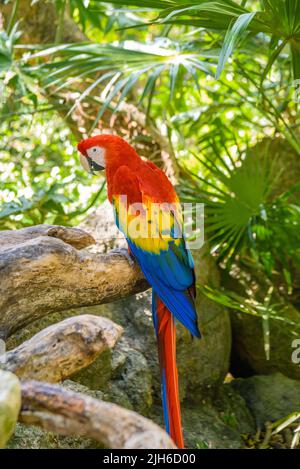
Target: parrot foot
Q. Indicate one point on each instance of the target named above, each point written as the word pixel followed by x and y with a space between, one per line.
pixel 124 252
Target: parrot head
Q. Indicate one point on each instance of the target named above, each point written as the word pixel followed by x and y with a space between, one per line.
pixel 105 151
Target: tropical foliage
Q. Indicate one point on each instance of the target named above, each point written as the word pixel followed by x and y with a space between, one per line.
pixel 215 77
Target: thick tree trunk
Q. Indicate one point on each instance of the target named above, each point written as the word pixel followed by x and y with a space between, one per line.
pixel 41 274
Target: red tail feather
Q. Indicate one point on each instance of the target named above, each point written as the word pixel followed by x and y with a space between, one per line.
pixel 166 338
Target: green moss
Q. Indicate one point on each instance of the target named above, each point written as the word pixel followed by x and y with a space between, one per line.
pixel 10 404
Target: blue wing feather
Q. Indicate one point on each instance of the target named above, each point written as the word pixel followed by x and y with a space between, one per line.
pixel 172 292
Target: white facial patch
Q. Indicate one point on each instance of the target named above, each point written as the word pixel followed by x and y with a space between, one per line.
pixel 97 154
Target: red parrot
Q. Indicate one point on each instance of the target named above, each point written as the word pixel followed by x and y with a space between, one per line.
pixel 162 255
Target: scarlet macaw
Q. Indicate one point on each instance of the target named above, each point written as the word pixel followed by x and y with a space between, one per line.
pixel 164 259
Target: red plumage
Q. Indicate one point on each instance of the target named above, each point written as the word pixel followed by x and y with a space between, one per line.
pixel 166 342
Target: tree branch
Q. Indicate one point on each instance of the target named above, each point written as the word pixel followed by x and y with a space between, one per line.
pixel 63 349
pixel 68 413
pixel 41 274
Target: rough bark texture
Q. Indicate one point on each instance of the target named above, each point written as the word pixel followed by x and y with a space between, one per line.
pixel 41 274
pixel 63 349
pixel 69 413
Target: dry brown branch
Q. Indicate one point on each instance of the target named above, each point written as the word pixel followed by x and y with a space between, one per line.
pixel 41 274
pixel 63 349
pixel 77 238
pixel 68 413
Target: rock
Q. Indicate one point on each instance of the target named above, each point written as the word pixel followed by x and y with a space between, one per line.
pixel 10 404
pixel 217 422
pixel 124 373
pixel 203 364
pixel 269 397
pixel 204 429
pixel 282 163
pixel 248 345
pixel 98 374
pixel 134 380
pixel 80 388
pixel 233 409
pixel 27 436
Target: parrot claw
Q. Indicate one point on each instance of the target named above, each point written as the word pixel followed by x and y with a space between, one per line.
pixel 124 252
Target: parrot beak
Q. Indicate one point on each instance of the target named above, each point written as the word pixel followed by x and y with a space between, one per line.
pixel 94 167
pixel 88 164
pixel 84 163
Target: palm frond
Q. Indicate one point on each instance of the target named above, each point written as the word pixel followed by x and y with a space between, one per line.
pixel 241 215
pixel 130 63
pixel 279 18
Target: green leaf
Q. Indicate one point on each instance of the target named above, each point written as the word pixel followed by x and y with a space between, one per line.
pixel 275 54
pixel 295 48
pixel 232 38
